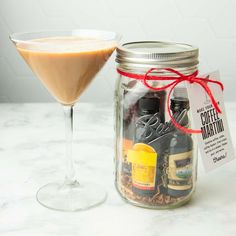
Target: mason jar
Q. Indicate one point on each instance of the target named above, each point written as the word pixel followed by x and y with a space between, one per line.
pixel 155 160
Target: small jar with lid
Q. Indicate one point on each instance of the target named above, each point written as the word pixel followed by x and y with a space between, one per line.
pixel 155 162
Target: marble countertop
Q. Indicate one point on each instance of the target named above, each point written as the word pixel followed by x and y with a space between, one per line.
pixel 31 155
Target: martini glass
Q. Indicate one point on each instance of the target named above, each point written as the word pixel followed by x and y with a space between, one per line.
pixel 66 62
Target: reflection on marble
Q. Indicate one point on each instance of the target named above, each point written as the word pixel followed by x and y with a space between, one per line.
pixel 31 154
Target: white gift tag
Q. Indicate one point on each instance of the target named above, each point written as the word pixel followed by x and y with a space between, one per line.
pixel 215 142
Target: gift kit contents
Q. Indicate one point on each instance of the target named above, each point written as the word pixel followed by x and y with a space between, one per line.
pixel 155 160
pixel 164 110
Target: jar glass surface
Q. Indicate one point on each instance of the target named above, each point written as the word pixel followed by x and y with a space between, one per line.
pixel 155 163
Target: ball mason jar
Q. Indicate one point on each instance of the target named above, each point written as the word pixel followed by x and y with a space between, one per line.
pixel 155 162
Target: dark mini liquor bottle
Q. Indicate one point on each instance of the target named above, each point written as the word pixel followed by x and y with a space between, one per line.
pixel 180 152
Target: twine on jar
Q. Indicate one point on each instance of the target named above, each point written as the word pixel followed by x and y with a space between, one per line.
pixel 177 79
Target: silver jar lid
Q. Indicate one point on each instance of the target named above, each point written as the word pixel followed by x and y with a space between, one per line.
pixel 140 56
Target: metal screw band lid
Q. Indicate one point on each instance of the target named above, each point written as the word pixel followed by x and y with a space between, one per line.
pixel 143 55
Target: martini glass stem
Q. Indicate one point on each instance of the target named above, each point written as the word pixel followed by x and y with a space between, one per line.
pixel 70 173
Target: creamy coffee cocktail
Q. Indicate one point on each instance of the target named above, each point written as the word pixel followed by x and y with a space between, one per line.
pixel 66 65
pixel 66 62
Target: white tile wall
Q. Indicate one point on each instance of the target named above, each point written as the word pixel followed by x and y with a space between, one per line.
pixel 209 24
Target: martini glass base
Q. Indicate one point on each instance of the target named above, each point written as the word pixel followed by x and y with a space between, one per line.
pixel 71 197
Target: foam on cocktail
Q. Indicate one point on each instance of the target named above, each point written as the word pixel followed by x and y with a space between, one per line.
pixel 66 44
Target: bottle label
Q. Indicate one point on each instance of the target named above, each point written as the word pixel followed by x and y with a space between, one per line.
pixel 215 142
pixel 180 171
pixel 144 160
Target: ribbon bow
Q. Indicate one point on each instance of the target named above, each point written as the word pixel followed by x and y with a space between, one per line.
pixel 179 78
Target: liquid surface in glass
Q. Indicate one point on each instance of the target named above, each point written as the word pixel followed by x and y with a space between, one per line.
pixel 66 65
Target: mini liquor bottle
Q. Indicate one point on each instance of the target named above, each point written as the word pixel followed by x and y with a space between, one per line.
pixel 143 157
pixel 180 152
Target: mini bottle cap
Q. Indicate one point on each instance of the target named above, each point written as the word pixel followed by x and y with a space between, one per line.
pixel 151 104
pixel 179 104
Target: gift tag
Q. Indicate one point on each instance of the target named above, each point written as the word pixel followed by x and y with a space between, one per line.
pixel 214 142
